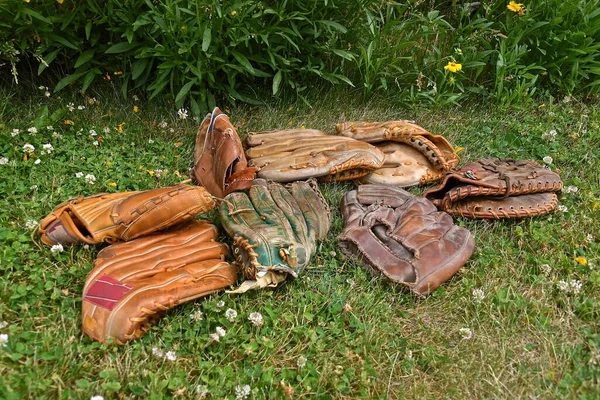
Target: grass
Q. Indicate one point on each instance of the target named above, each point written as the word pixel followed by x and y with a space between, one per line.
pixel 362 337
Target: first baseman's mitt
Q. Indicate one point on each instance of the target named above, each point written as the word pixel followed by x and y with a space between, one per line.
pixel 274 229
pixel 498 188
pixel 109 217
pixel 297 154
pixel 412 155
pixel 403 237
pixel 133 283
pixel 219 161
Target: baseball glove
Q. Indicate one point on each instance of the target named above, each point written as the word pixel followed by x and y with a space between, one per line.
pixel 274 229
pixel 413 156
pixel 403 237
pixel 133 283
pixel 297 154
pixel 497 188
pixel 219 161
pixel 109 217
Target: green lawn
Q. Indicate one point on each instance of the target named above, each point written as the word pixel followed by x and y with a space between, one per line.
pixel 535 333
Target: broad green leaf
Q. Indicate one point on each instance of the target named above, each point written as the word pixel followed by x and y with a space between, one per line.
pixel 183 92
pixel 121 48
pixel 206 38
pixel 276 82
pixel 67 80
pixel 138 68
pixel 243 61
pixel 84 57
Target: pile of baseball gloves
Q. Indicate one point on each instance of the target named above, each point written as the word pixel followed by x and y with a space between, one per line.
pixel 269 204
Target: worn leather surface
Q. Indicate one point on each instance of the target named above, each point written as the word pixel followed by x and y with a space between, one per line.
pixel 413 155
pixel 297 154
pixel 133 283
pixel 403 237
pixel 498 188
pixel 110 217
pixel 275 229
pixel 220 164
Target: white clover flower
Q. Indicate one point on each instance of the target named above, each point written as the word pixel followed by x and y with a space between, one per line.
pixel 93 132
pixel 32 130
pixel 563 208
pixel 159 172
pixel 163 125
pixel 220 331
pixel 221 304
pixel 182 113
pixel 549 136
pixel 594 357
pixel 589 238
pixel 57 248
pixel 91 179
pixel 571 189
pixel 3 339
pixel 28 148
pixel 81 107
pixel 3 324
pixel 575 286
pixel 135 97
pixel 95 143
pixel 242 392
pixel 563 286
pixel 31 224
pixel 47 148
pixel 351 282
pixel 36 162
pixel 547 159
pixel 15 132
pixel 301 362
pixel 157 352
pixel 106 129
pixel 546 269
pixel 3 160
pixel 466 333
pixel 201 390
pixel 47 93
pixel 256 318
pixel 97 397
pixel 56 135
pixel 71 107
pixel 214 337
pixel 170 355
pixel 230 314
pixel 78 174
pixel 150 141
pixel 33 187
pixel 196 315
pixel 478 295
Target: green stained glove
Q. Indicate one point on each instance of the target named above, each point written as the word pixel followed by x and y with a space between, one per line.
pixel 274 229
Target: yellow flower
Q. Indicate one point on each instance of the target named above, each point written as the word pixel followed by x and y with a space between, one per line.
pixel 150 172
pixel 136 109
pixel 233 13
pixel 516 7
pixel 68 122
pixel 453 67
pixel 107 77
pixel 581 260
pixel 118 73
pixel 177 173
pixel 60 1
pixel 120 127
pixel 26 1
pixel 112 184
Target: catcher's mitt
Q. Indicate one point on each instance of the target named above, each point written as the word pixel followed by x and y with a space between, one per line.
pixel 412 155
pixel 497 188
pixel 133 283
pixel 274 230
pixel 109 217
pixel 403 237
pixel 297 154
pixel 219 161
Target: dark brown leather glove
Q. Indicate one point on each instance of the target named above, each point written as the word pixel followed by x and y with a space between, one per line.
pixel 497 188
pixel 403 237
pixel 220 164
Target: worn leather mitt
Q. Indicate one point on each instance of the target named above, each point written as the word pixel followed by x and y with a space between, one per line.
pixel 498 188
pixel 403 237
pixel 109 217
pixel 413 156
pixel 298 154
pixel 219 161
pixel 133 283
pixel 275 230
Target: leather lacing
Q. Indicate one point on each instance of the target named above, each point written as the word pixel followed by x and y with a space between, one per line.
pixel 149 317
pixel 249 268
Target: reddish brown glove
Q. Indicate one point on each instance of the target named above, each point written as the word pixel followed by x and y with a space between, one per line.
pixel 133 283
pixel 220 164
pixel 403 237
pixel 498 188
